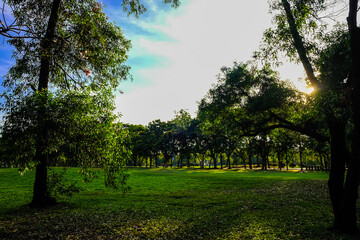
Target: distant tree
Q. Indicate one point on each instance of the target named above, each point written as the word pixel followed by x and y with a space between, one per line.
pixel 247 102
pixel 183 135
pixel 284 141
pixel 162 137
pixel 198 141
pixel 135 142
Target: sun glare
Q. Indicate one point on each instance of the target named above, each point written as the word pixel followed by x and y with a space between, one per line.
pixel 309 90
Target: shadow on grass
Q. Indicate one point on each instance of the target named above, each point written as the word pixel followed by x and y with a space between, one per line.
pixel 184 205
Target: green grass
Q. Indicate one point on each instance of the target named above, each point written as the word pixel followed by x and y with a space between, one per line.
pixel 175 204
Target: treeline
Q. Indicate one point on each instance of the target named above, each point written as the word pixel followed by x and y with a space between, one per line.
pixel 250 117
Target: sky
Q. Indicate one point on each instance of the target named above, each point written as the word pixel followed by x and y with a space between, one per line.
pixel 177 53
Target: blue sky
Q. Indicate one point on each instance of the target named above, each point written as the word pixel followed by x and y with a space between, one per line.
pixel 177 53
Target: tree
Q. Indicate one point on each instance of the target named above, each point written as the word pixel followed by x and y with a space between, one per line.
pixel 136 143
pixel 154 137
pixel 81 132
pixel 350 197
pixel 183 135
pixel 294 21
pixel 77 49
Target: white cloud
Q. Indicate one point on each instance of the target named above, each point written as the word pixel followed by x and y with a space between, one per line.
pixel 206 35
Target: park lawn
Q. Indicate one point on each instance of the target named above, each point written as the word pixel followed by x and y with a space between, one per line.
pixel 175 204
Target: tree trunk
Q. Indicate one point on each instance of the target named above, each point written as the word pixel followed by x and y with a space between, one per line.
pixel 41 196
pixel 349 218
pixel 221 160
pixel 215 162
pixel 244 159
pixel 337 170
pixel 278 153
pixel 213 156
pixel 264 162
pixel 134 160
pixel 229 161
pixel 250 161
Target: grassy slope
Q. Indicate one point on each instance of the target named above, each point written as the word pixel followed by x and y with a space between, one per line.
pixel 175 204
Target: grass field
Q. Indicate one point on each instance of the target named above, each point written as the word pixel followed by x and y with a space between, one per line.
pixel 175 204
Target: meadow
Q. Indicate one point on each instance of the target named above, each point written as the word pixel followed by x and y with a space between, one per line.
pixel 175 204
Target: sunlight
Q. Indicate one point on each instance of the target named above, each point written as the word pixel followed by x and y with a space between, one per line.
pixel 309 90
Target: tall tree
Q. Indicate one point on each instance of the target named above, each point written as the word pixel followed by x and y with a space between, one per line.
pixel 301 35
pixel 352 180
pixel 61 45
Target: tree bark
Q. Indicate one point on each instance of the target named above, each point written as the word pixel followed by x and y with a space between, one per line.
pixel 41 195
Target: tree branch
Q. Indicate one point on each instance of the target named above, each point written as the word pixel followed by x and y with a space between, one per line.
pixel 299 45
pixel 291 126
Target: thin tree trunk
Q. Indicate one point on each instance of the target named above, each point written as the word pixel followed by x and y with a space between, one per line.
pixel 287 161
pixel 264 162
pixel 134 160
pixel 221 160
pixel 278 153
pixel 244 159
pixel 215 162
pixel 229 161
pixel 250 162
pixel 41 195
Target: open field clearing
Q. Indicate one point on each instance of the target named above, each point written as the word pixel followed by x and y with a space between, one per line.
pixel 175 204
